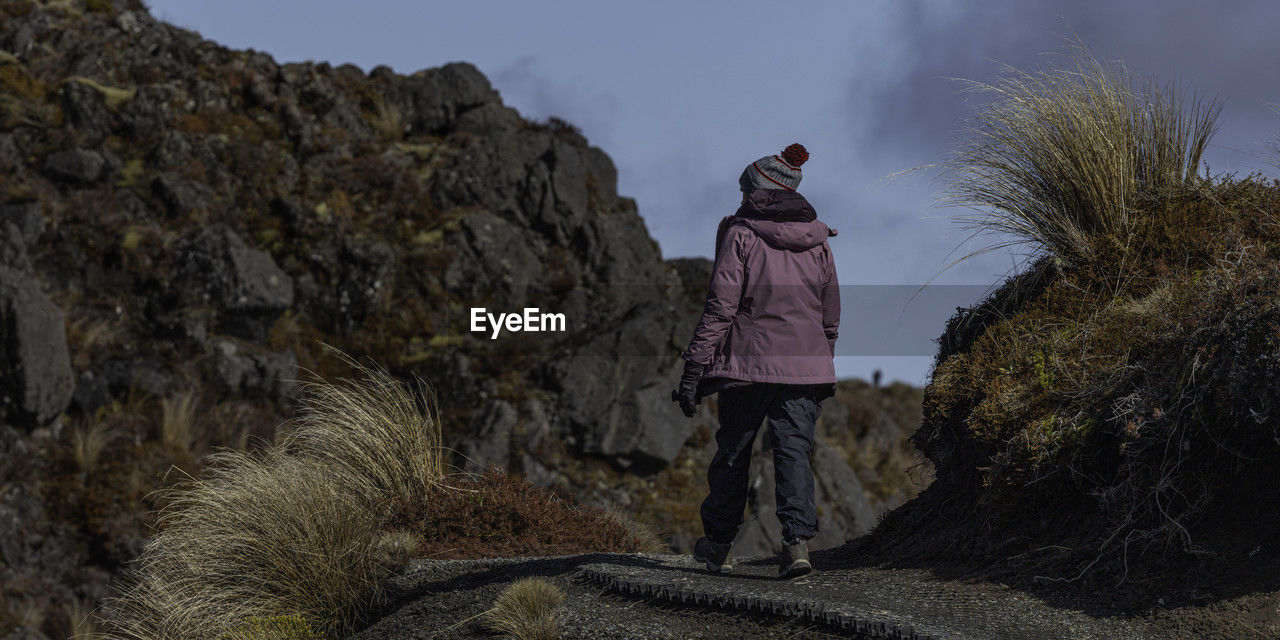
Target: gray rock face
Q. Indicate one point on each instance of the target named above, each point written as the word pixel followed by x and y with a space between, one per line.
pixel 13 248
pixel 488 118
pixel 505 172
pixel 36 381
pixel 28 217
pixel 493 253
pixel 437 96
pixel 248 372
pixel 138 374
pixel 87 112
pixel 75 165
pixel 182 196
pixel 10 156
pixel 92 391
pixel 663 428
pixel 489 438
pixel 615 391
pixel 242 282
pixel 173 150
pixel 625 258
pixel 357 275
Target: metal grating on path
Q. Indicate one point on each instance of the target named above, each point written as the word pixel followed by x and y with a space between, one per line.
pixel 878 603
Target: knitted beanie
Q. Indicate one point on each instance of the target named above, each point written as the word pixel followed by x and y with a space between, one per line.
pixel 776 171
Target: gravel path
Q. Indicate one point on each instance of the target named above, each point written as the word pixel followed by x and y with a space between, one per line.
pixel 441 599
pixel 658 597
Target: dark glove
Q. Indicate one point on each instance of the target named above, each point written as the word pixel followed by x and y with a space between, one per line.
pixel 688 390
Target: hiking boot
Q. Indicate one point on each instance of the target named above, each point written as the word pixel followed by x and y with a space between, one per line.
pixel 714 554
pixel 795 559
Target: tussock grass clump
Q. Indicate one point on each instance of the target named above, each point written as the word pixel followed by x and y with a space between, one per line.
pixel 648 537
pixel 295 529
pixel 1063 154
pixel 82 621
pixel 381 438
pixel 260 535
pixel 88 442
pixel 527 610
pixel 178 422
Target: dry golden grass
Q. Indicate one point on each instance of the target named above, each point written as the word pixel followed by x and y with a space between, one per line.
pixel 88 442
pixel 20 612
pixel 293 529
pixel 647 534
pixel 81 620
pixel 113 97
pixel 527 610
pixel 261 535
pixel 178 429
pixel 286 627
pixel 378 433
pixel 387 121
pixel 87 336
pixel 1063 154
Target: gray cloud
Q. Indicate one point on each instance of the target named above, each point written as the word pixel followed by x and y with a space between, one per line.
pixel 525 85
pixel 1217 49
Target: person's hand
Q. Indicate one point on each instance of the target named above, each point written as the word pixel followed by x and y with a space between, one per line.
pixel 687 392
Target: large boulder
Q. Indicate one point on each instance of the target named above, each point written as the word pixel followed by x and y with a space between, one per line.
pixel 75 165
pixel 86 111
pixel 354 278
pixel 244 283
pixel 182 196
pixel 436 97
pixel 616 391
pixel 13 248
pixel 36 381
pixel 27 216
pixel 488 442
pixel 245 371
pixel 493 254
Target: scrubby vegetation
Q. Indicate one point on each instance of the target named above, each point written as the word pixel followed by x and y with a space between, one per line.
pixel 307 528
pixel 1109 412
pixel 499 515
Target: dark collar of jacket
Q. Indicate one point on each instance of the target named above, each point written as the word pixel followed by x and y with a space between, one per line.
pixel 782 205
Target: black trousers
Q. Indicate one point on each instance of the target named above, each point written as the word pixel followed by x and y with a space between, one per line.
pixel 792 411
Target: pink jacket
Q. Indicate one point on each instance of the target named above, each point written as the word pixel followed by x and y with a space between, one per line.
pixel 773 306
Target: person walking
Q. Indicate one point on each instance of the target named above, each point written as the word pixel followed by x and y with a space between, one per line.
pixel 766 344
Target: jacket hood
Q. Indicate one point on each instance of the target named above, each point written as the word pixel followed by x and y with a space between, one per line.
pixel 795 236
pixel 777 202
pixel 783 219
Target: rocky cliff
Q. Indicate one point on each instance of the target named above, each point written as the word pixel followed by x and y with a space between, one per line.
pixel 186 229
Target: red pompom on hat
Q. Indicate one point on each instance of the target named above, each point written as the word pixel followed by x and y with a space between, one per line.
pixel 795 154
pixel 777 171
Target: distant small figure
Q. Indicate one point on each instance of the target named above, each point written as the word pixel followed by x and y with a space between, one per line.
pixel 875 378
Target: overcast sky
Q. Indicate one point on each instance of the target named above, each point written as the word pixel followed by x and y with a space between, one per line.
pixel 682 95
